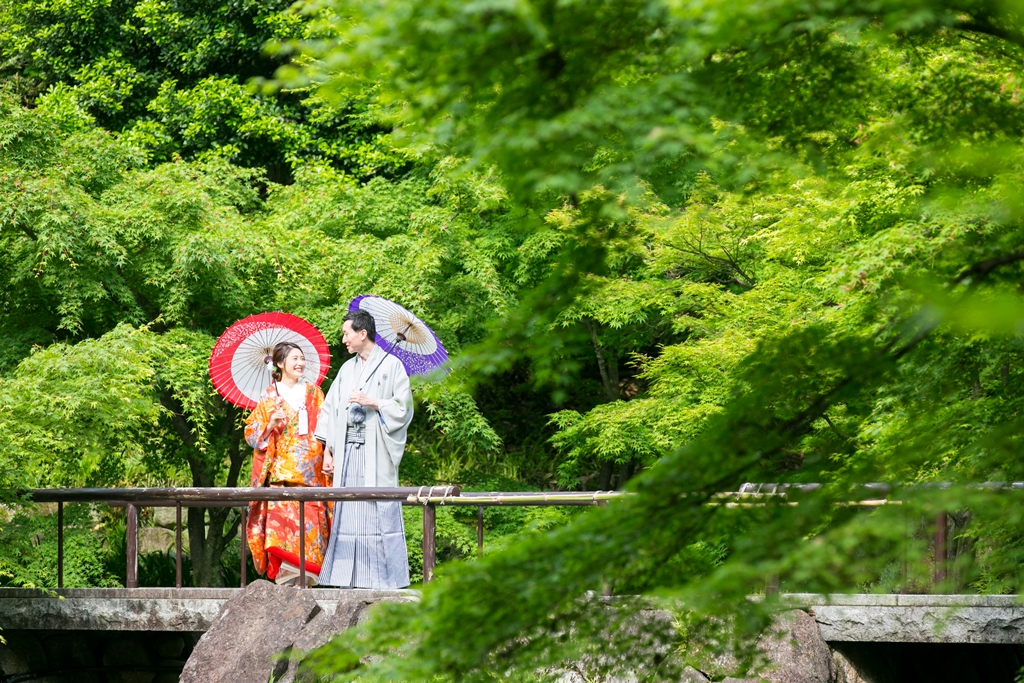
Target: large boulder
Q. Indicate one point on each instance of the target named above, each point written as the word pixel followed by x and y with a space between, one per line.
pixel 796 651
pixel 691 675
pixel 792 651
pixel 252 635
pixel 846 670
pixel 21 653
pixel 128 659
pixel 153 539
pixel 319 631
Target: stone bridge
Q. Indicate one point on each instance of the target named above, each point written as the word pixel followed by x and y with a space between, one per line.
pixel 977 619
pixel 183 610
pixel 146 634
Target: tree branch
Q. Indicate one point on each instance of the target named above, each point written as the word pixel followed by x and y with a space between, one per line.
pixel 834 428
pixel 177 411
pixel 980 271
pixel 989 29
pixel 611 388
pixel 236 454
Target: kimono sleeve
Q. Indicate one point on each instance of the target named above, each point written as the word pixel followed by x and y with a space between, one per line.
pixel 396 410
pixel 325 421
pixel 256 424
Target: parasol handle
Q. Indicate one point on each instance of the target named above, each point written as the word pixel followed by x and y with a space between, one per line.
pixel 401 335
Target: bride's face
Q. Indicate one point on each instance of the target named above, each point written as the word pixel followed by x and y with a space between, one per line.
pixel 293 365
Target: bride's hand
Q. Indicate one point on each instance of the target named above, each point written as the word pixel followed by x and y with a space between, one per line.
pixel 278 417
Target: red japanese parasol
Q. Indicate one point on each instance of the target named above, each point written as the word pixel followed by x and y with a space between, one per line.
pixel 238 364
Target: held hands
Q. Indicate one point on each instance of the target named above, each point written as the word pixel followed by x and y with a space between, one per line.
pixel 362 399
pixel 328 466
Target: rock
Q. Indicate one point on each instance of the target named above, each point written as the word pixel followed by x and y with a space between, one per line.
pixel 635 643
pixel 351 613
pixel 792 651
pixel 571 676
pixel 129 661
pixel 167 518
pixel 796 650
pixel 45 509
pixel 629 645
pixel 846 672
pixel 718 664
pixel 691 675
pixel 21 654
pixel 319 631
pixel 314 634
pixel 252 629
pixel 154 539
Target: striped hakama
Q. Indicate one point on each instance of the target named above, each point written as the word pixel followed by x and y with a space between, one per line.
pixel 367 546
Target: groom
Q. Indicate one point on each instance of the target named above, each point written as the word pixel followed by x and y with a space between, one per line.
pixel 363 425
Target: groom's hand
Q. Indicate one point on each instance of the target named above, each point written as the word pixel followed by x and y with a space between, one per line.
pixel 362 399
pixel 328 466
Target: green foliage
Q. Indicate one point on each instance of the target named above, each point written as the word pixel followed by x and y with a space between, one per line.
pixel 455 540
pixel 30 538
pixel 173 78
pixel 64 427
pixel 799 223
pixel 461 426
pixel 712 242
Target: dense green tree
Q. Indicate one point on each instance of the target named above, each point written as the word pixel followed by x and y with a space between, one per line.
pixel 173 76
pixel 829 198
pixel 94 241
pixel 120 275
pixel 718 242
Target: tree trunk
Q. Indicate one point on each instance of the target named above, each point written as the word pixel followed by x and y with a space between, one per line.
pixel 207 540
pixel 205 555
pixel 604 480
pixel 610 381
pixel 609 371
pixel 625 472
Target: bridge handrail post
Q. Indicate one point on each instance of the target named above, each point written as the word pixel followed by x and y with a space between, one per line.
pixel 132 547
pixel 177 545
pixel 941 522
pixel 243 540
pixel 302 544
pixel 480 530
pixel 60 544
pixel 429 541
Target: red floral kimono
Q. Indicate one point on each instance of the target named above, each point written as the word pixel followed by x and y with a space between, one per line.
pixel 286 458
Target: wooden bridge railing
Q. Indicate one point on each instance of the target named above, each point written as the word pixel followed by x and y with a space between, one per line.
pixel 428 497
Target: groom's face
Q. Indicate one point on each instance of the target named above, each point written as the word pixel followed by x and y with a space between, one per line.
pixel 354 341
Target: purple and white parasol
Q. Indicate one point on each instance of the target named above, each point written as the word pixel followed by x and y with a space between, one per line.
pixel 403 335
